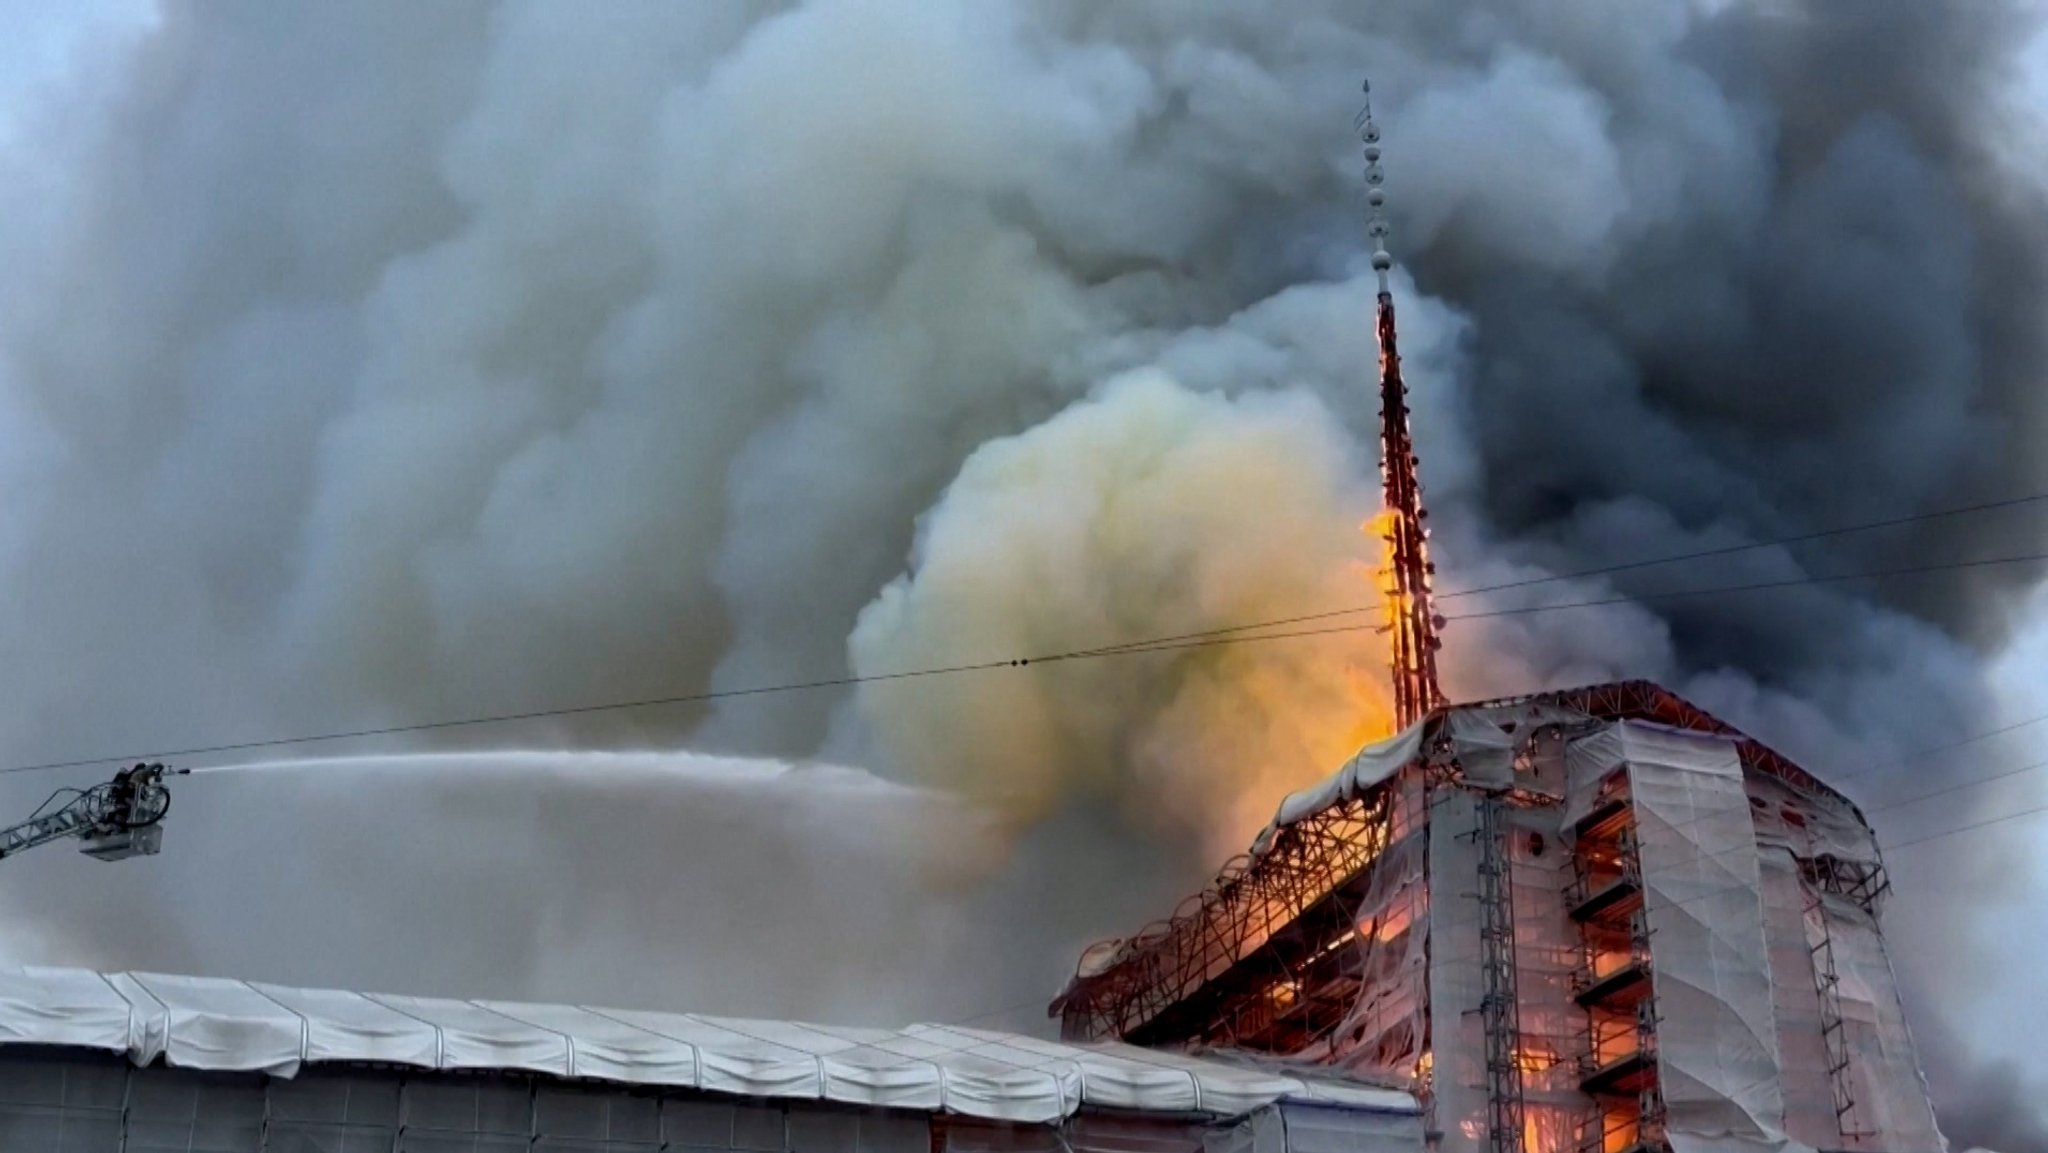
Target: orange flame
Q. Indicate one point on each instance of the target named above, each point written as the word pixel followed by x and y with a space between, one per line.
pixel 1375 721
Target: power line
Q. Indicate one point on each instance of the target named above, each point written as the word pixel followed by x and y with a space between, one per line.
pixel 1244 634
pixel 1912 759
pixel 1163 644
pixel 1726 550
pixel 1970 828
pixel 1759 586
pixel 1959 787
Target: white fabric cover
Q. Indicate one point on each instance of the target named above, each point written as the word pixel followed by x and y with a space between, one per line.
pixel 1456 982
pixel 1802 1052
pixel 1588 760
pixel 345 1027
pixel 213 1024
pixel 223 1025
pixel 1717 1034
pixel 1889 1092
pixel 70 1007
pixel 1371 765
pixel 1318 1129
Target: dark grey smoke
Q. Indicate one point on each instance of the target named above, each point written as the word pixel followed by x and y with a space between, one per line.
pixel 393 362
pixel 1986 1104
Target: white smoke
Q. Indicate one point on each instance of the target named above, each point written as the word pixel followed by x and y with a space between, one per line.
pixel 651 877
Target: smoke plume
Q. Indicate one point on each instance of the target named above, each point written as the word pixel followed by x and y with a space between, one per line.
pixel 371 365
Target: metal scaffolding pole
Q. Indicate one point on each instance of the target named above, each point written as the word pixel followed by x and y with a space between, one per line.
pixel 1499 1005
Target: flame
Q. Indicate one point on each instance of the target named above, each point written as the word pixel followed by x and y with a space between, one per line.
pixel 1388 925
pixel 1606 962
pixel 1381 526
pixel 1376 720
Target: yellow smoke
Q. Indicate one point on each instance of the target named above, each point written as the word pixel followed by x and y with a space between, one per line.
pixel 1148 511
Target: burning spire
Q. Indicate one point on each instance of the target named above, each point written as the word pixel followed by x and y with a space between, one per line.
pixel 1412 617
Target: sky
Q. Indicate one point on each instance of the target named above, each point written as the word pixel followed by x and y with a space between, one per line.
pixel 358 371
pixel 43 38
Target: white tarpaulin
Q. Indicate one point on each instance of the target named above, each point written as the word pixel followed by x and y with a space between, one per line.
pixel 220 1025
pixel 1370 766
pixel 1717 1036
pixel 1889 1093
pixel 1802 1051
pixel 1455 983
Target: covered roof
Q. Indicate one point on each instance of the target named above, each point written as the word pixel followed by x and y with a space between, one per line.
pixel 1650 701
pixel 1480 727
pixel 1302 856
pixel 223 1025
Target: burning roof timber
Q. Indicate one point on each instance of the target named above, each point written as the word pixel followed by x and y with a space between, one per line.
pixel 1466 910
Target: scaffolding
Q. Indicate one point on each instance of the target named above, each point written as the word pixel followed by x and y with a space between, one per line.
pixel 1617 1063
pixel 1254 931
pixel 1500 1005
pixel 1699 954
pixel 1834 1037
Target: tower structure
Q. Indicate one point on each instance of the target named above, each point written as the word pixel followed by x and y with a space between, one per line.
pixel 1599 920
pixel 1412 617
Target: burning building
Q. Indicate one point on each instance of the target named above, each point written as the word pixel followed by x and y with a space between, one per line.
pixel 1598 919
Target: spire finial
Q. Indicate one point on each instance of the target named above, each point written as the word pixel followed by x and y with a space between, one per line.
pixel 1375 190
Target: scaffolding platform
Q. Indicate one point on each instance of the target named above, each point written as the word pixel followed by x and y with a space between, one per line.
pixel 1614 901
pixel 1624 988
pixel 1607 818
pixel 1622 1076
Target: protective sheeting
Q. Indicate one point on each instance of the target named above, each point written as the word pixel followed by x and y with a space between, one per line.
pixel 1492 746
pixel 1383 1034
pixel 1484 740
pixel 1589 761
pixel 1458 1058
pixel 232 1026
pixel 1808 825
pixel 1710 864
pixel 70 1007
pixel 1717 1056
pixel 1888 1092
pixel 1546 955
pixel 1370 766
pixel 1868 1092
pixel 1311 1128
pixel 1802 1055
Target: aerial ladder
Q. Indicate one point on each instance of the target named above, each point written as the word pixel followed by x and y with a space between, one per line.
pixel 115 819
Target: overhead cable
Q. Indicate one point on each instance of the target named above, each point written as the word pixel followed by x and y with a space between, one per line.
pixel 1159 644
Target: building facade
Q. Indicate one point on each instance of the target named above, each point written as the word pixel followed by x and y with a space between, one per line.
pixel 1588 921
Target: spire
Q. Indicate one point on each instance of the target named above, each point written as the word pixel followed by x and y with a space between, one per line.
pixel 1412 618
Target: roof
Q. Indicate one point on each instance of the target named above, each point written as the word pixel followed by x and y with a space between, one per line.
pixel 1615 701
pixel 1303 854
pixel 1650 701
pixel 223 1025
